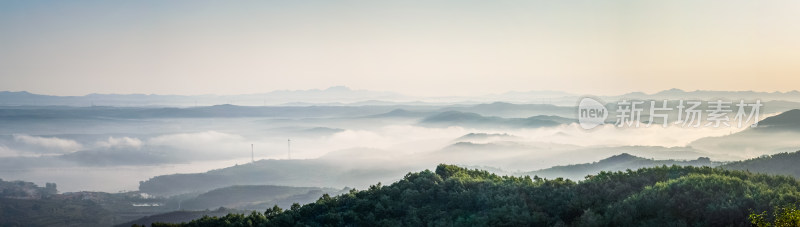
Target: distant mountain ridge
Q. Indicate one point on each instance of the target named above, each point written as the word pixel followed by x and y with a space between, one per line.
pixel 329 95
pixel 779 164
pixel 775 134
pixel 484 136
pixel 296 173
pixel 456 118
pixel 789 120
pixel 256 197
pixel 614 163
pixel 341 95
pixel 674 94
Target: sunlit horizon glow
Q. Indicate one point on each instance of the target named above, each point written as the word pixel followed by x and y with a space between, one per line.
pixel 411 47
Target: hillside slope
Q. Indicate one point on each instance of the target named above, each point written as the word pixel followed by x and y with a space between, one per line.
pixel 296 173
pixel 255 197
pixel 781 164
pixel 775 134
pixel 179 216
pixel 453 196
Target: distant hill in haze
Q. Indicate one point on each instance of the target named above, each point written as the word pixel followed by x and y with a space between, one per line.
pixel 676 94
pixel 778 164
pixel 181 216
pixel 329 95
pixel 782 164
pixel 217 111
pixel 258 197
pixel 238 111
pixel 296 173
pixel 789 120
pixel 341 95
pixel 456 118
pixel 773 135
pixel 400 113
pixel 510 110
pixel 614 163
pixel 485 136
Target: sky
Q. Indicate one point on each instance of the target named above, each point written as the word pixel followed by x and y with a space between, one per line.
pixel 425 48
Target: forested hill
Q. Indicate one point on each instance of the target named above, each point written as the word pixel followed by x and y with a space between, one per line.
pixel 450 195
pixel 781 163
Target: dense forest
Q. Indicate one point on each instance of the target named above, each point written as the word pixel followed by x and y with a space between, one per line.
pixel 451 195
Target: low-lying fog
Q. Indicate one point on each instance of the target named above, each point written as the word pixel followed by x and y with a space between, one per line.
pixel 109 154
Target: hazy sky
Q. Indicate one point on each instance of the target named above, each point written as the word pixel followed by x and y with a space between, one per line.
pixel 413 47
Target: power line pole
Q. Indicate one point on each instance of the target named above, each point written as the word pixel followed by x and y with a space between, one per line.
pixel 252 154
pixel 289 146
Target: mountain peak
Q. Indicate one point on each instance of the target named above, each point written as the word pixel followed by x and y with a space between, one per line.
pixel 671 91
pixel 621 157
pixel 17 93
pixel 338 88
